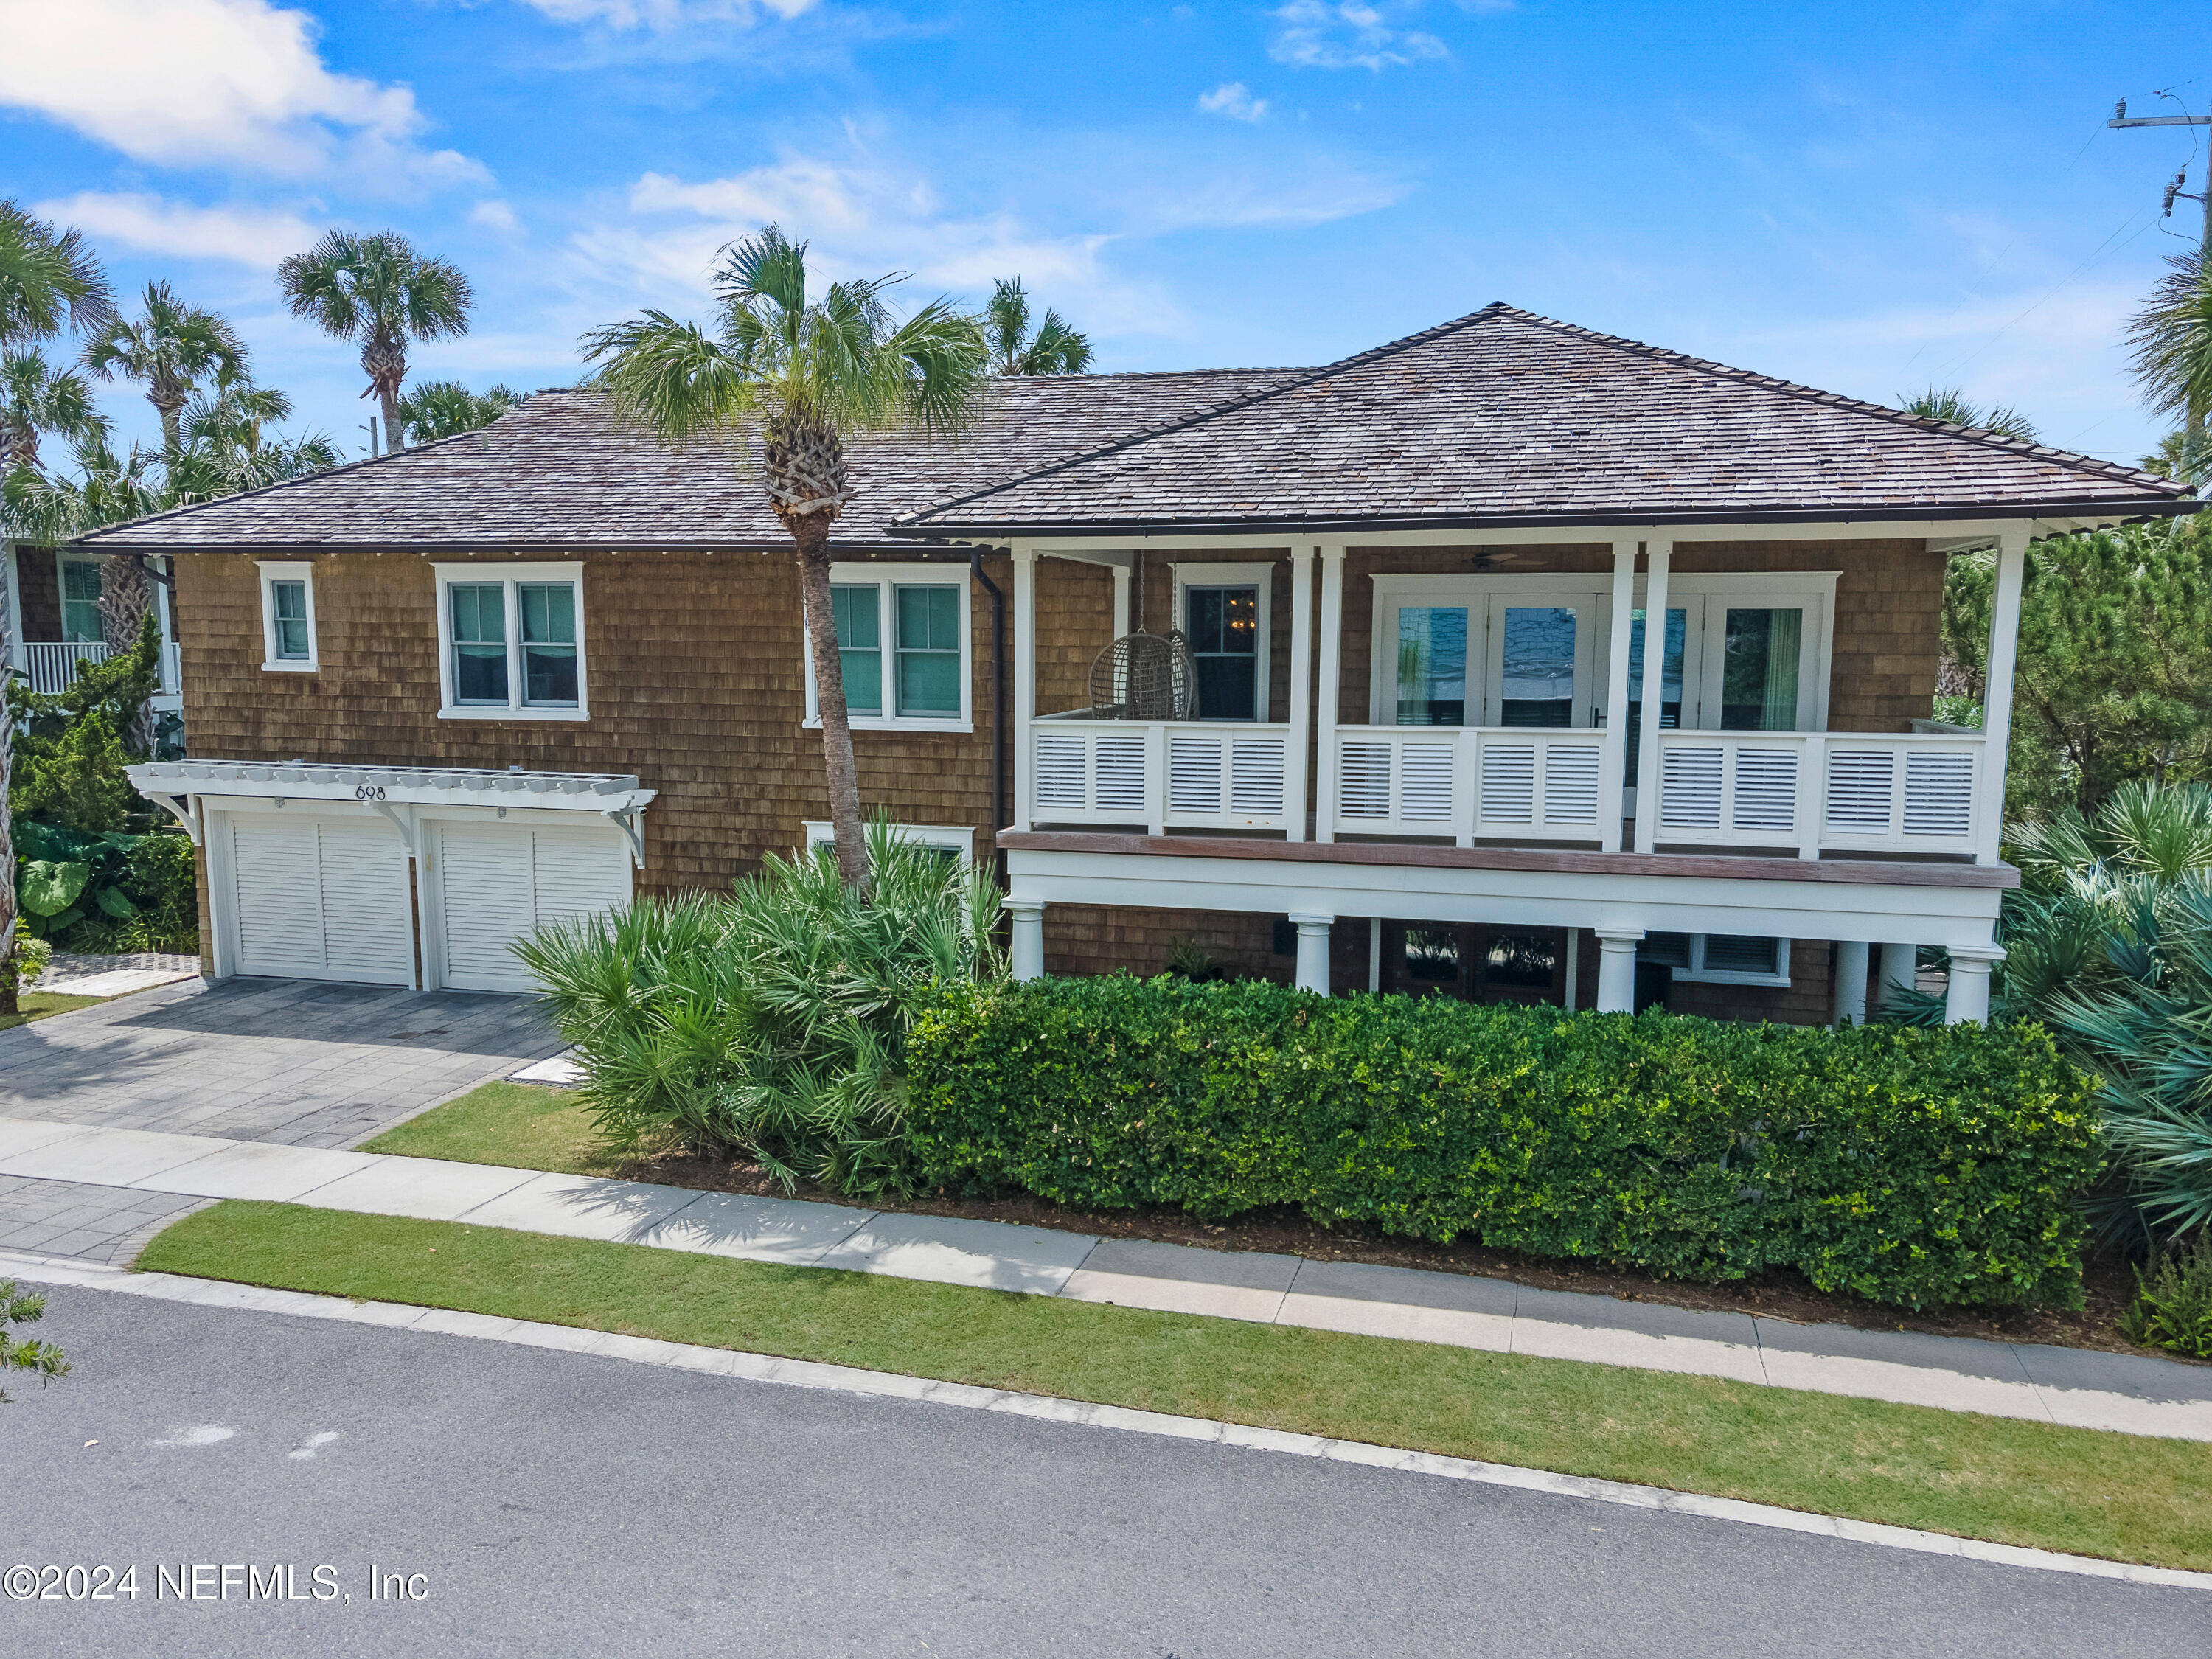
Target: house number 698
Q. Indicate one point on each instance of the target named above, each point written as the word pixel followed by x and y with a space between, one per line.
pixel 368 792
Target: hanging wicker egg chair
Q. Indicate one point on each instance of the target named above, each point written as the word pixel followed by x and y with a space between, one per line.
pixel 1145 677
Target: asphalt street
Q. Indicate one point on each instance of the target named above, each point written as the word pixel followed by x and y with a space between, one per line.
pixel 517 1501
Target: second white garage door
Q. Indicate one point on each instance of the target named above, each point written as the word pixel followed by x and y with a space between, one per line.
pixel 501 882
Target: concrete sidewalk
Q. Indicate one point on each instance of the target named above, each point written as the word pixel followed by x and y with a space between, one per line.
pixel 2130 1394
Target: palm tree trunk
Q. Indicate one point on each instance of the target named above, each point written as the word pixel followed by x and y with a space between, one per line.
pixel 126 596
pixel 810 531
pixel 395 429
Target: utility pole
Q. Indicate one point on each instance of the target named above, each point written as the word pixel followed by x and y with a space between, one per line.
pixel 2121 119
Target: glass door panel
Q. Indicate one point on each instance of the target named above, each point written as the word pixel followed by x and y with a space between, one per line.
pixel 1761 670
pixel 1536 663
pixel 1678 673
pixel 1431 664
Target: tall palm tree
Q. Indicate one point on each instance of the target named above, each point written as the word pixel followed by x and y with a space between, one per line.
pixel 49 281
pixel 2173 340
pixel 36 399
pixel 446 409
pixel 808 374
pixel 171 348
pixel 379 291
pixel 1950 404
pixel 225 449
pixel 1054 349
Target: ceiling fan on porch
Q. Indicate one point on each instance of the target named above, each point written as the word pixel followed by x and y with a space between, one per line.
pixel 1144 676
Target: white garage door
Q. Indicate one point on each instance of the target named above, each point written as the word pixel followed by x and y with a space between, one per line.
pixel 501 882
pixel 320 898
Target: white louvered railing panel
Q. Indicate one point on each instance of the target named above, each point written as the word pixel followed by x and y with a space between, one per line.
pixel 1492 783
pixel 1815 791
pixel 1182 775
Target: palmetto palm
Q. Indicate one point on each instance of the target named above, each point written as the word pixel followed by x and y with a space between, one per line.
pixel 379 291
pixel 226 450
pixel 36 398
pixel 48 280
pixel 170 349
pixel 1950 404
pixel 807 374
pixel 446 409
pixel 2173 340
pixel 1054 349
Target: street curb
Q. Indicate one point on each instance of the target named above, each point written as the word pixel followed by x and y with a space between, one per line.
pixel 845 1379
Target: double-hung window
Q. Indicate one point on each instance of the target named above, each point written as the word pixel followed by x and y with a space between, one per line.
pixel 511 641
pixel 288 616
pixel 1719 959
pixel 1222 611
pixel 81 600
pixel 902 646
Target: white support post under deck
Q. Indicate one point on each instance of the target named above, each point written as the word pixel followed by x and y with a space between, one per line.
pixel 1294 767
pixel 1331 666
pixel 1025 679
pixel 1655 691
pixel 1996 691
pixel 1612 781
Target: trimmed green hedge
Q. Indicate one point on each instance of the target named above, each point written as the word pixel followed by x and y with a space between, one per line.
pixel 1917 1167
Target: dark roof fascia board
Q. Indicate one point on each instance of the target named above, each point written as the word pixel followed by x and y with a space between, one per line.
pixel 2164 506
pixel 904 550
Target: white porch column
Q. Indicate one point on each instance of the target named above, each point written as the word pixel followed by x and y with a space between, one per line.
pixel 1616 969
pixel 12 640
pixel 1025 955
pixel 1968 997
pixel 1850 977
pixel 1997 692
pixel 1024 689
pixel 1294 793
pixel 1654 689
pixel 1121 600
pixel 1898 969
pixel 1325 712
pixel 1613 781
pixel 1375 954
pixel 1313 951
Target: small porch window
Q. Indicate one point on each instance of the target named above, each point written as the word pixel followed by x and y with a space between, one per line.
pixel 81 600
pixel 1718 958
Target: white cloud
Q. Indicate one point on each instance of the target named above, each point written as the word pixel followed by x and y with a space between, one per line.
pixel 664 15
pixel 496 214
pixel 1234 99
pixel 1350 34
pixel 235 83
pixel 257 237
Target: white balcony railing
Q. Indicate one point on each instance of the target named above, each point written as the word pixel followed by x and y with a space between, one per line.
pixel 1812 791
pixel 1184 775
pixel 1819 791
pixel 1511 783
pixel 50 664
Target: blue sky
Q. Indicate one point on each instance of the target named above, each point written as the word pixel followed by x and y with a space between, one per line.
pixel 1869 198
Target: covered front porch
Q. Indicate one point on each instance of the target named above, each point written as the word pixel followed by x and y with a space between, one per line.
pixel 1450 736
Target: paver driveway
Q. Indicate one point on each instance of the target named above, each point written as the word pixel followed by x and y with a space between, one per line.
pixel 290 1061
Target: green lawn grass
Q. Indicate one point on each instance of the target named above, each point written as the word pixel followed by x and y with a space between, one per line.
pixel 2112 1495
pixel 37 1004
pixel 526 1126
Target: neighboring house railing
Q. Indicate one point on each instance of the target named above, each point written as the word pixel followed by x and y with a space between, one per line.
pixel 1815 791
pixel 50 664
pixel 1185 774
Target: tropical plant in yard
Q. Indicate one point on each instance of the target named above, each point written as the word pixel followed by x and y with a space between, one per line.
pixel 1054 349
pixel 20 1353
pixel 770 1025
pixel 807 374
pixel 2172 335
pixel 1950 404
pixel 48 281
pixel 2173 1309
pixel 379 291
pixel 446 409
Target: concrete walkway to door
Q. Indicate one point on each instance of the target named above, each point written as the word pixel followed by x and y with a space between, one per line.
pixel 293 1062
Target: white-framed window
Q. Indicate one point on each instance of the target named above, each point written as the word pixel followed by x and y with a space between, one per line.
pixel 288 616
pixel 904 646
pixel 955 842
pixel 1222 609
pixel 1719 959
pixel 511 641
pixel 1744 651
pixel 80 589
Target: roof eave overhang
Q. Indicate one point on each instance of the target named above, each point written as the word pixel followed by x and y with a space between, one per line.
pixel 2104 512
pixel 903 546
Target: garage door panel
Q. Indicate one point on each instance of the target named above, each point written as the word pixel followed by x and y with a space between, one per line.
pixel 501 882
pixel 320 898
